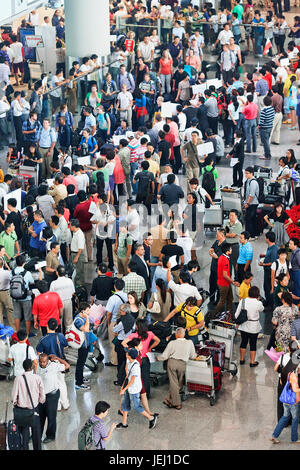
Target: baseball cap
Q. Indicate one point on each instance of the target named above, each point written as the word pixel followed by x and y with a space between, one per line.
pixel 133 353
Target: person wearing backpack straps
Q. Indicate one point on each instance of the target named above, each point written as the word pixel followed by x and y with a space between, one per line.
pixel 251 203
pixel 21 351
pixel 23 306
pixel 193 315
pixel 94 431
pixel 46 141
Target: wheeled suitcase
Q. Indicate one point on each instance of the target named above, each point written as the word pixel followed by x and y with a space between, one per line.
pixel 3 430
pixel 216 350
pixel 14 441
pixel 213 217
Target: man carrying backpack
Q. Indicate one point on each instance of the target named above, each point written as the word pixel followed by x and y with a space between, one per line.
pixel 251 196
pixel 20 284
pixel 94 431
pixel 209 178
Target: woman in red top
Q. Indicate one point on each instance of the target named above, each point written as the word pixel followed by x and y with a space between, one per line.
pixel 193 60
pixel 165 71
pixel 146 337
pixel 119 178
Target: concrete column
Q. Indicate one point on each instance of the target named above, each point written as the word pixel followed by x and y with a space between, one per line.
pixel 87 28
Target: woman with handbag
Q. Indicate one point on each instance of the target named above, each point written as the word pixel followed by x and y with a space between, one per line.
pixel 280 364
pixel 250 326
pixel 160 302
pixel 283 318
pixel 290 398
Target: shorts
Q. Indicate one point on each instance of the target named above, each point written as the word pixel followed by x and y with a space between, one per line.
pixel 135 399
pixel 23 308
pixel 111 182
pixel 292 108
pixel 19 66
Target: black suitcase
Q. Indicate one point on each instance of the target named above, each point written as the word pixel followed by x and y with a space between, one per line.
pixel 3 430
pixel 13 436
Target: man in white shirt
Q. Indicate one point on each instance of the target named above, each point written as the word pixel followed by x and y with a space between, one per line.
pixel 184 290
pixel 77 251
pixel 33 18
pixel 4 71
pixel 124 103
pixel 64 287
pixel 48 369
pixel 17 61
pixel 56 95
pixel 146 51
pixel 224 36
pixel 21 351
pixel 133 221
pixel 82 178
pixel 185 241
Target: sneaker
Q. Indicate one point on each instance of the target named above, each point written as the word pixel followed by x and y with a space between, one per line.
pixel 287 121
pixel 86 381
pixel 109 364
pixel 153 422
pixel 121 425
pixel 82 387
pixel 47 440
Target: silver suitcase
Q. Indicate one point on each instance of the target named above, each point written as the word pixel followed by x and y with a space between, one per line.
pixel 213 217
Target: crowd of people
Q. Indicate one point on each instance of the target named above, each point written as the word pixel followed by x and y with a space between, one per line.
pixel 118 162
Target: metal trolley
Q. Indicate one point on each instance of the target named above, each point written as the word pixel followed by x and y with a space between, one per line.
pixel 6 368
pixel 199 378
pixel 225 332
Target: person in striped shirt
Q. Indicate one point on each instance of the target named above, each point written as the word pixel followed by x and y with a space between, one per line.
pixel 133 146
pixel 265 126
pixel 245 256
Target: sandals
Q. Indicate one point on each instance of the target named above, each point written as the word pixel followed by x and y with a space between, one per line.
pixel 274 440
pixel 169 404
pixel 177 407
pixel 254 364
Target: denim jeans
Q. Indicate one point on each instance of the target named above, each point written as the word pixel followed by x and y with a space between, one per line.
pixel 133 167
pixel 258 43
pixel 265 140
pixel 165 83
pixel 135 399
pixel 153 259
pixel 250 130
pixel 288 410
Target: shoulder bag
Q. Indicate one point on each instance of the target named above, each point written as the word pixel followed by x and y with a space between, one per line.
pixel 288 396
pixel 243 316
pixel 24 416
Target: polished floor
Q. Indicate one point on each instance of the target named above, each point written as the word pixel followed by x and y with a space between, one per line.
pixel 245 413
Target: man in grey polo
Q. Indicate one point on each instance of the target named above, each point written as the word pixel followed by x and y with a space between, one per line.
pixel 46 140
pixel 251 202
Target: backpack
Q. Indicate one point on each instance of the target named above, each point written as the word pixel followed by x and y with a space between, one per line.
pixel 18 290
pixel 74 337
pixel 208 181
pixel 86 436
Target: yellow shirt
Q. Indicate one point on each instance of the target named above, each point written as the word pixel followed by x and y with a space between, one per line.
pixel 190 319
pixel 244 290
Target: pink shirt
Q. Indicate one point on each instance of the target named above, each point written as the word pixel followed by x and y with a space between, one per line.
pixel 250 111
pixel 145 342
pixel 175 132
pixel 70 180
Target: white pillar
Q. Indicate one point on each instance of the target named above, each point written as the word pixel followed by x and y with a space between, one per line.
pixel 87 28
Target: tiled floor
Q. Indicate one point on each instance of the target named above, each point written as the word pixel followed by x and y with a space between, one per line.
pixel 245 413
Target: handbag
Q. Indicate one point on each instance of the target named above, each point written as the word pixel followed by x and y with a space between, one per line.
pixel 115 340
pixel 102 330
pixel 243 316
pixel 156 306
pixel 287 395
pixel 24 416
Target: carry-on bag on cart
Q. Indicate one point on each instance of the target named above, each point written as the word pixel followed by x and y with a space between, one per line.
pixel 217 351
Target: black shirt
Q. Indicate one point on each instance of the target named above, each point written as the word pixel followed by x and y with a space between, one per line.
pixel 164 148
pixel 218 250
pixel 143 177
pixel 173 250
pixel 16 219
pixel 190 113
pixel 102 287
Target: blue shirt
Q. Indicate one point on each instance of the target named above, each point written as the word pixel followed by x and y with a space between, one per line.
pixel 90 122
pixel 245 253
pixel 262 87
pixel 235 86
pixel 36 242
pixel 49 344
pixel 258 30
pixel 114 303
pixel 46 137
pixel 271 255
pixel 29 126
pixel 159 273
pixel 79 322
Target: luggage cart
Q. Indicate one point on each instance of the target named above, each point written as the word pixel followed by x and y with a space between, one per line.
pixel 6 368
pixel 199 378
pixel 225 332
pixel 158 375
pixel 232 199
pixel 213 217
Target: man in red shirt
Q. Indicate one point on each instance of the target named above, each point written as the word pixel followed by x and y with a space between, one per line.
pixel 68 178
pixel 171 139
pixel 224 280
pixel 82 214
pixel 47 305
